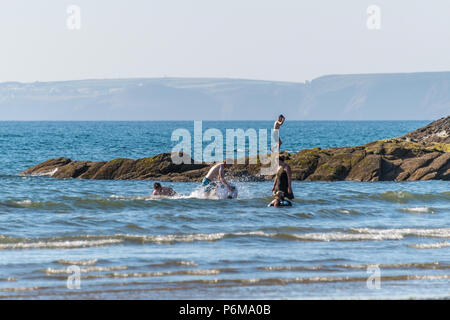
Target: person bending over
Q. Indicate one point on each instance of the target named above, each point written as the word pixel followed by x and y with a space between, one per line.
pixel 216 174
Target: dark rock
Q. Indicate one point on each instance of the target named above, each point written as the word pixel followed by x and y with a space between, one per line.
pixel 409 166
pixel 437 131
pixel 368 169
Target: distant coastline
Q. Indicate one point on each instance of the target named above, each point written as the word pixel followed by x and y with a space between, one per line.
pixel 396 96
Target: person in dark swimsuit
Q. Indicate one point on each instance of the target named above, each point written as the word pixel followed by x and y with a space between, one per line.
pixel 283 179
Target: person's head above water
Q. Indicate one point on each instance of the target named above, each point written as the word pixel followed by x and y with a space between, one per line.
pixel 157 186
pixel 279 195
pixel 281 118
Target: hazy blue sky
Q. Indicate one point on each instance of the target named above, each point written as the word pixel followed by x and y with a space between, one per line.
pixel 288 40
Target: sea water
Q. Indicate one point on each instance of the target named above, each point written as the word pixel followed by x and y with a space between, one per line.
pixel 339 240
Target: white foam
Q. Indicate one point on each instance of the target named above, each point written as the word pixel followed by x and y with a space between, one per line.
pixel 436 245
pixel 49 173
pixel 205 272
pixel 177 238
pixel 429 277
pixel 24 202
pixel 354 234
pixel 254 233
pixel 84 270
pixel 88 262
pixel 59 244
pixel 432 233
pixel 185 263
pixel 429 265
pixel 418 210
pixel 291 268
pixel 131 198
pixel 341 236
pixel 242 192
pixel 195 272
pixel 221 193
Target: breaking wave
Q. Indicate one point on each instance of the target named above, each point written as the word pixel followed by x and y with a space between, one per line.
pixel 353 234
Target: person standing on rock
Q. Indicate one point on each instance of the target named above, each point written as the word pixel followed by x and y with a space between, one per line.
pixel 283 179
pixel 276 126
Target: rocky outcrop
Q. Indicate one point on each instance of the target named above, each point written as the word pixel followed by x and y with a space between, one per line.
pixel 386 160
pixel 423 154
pixel 437 131
pixel 158 167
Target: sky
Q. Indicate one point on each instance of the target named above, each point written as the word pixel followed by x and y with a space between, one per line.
pixel 281 40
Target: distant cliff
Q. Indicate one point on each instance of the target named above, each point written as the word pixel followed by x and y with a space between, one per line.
pixel 414 96
pixel 423 154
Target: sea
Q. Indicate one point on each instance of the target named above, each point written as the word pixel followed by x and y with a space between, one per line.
pixel 110 239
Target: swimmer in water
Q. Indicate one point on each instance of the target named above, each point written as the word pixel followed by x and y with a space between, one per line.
pixel 159 190
pixel 280 201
